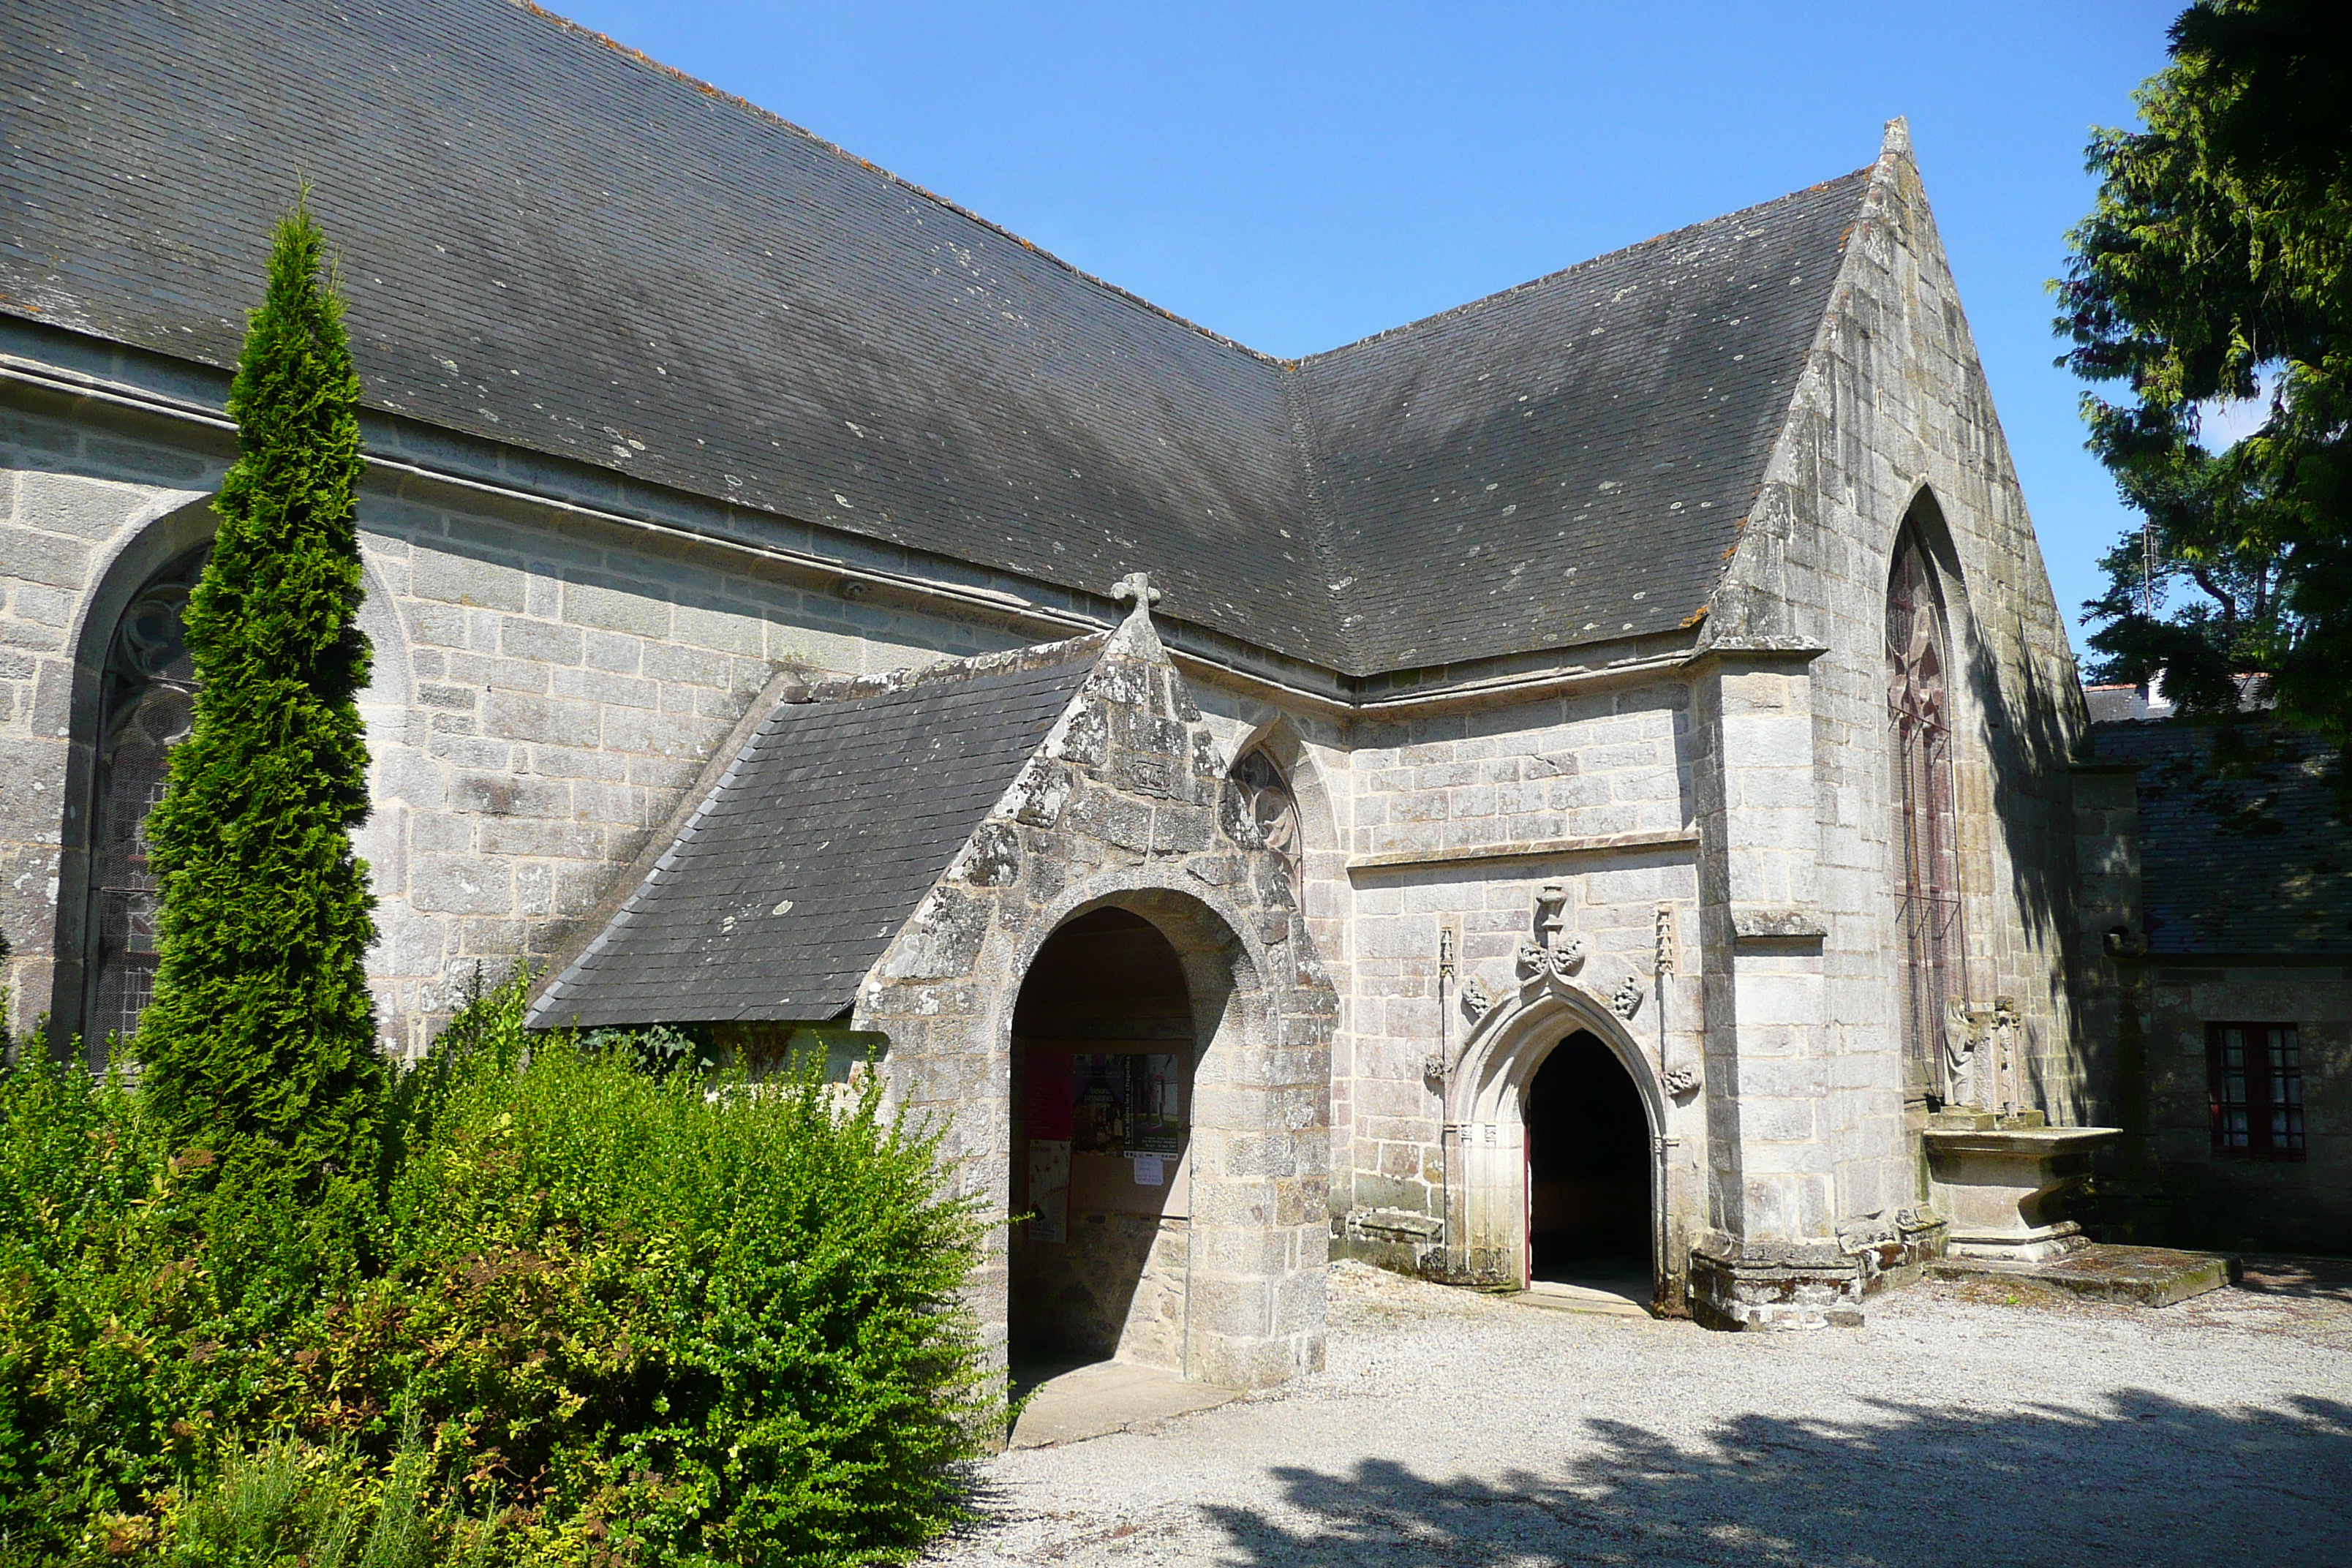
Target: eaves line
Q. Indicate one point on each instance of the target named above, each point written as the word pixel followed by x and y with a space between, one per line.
pixel 1008 608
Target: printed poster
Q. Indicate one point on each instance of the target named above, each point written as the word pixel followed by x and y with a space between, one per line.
pixel 1099 1116
pixel 1156 1111
pixel 1049 1189
pixel 1127 1103
pixel 1047 1094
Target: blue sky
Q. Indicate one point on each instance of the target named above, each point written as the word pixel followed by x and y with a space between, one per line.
pixel 1298 176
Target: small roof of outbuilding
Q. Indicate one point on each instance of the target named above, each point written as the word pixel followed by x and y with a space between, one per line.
pixel 2249 858
pixel 550 242
pixel 789 880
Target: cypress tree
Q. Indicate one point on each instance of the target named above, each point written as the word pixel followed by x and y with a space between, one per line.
pixel 259 1041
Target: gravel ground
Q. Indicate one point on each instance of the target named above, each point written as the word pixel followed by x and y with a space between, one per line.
pixel 1967 1424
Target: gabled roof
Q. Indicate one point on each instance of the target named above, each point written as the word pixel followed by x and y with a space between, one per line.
pixel 844 807
pixel 2248 859
pixel 550 242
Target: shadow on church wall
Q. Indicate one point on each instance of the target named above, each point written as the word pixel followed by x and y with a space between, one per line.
pixel 2029 742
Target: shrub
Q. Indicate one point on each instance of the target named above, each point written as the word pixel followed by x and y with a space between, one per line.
pixel 148 1301
pixel 262 1031
pixel 670 1319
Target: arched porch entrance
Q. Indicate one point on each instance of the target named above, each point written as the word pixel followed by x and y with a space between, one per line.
pixel 1103 1056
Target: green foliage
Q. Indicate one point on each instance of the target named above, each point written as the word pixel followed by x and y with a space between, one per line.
pixel 147 1303
pixel 621 1317
pixel 2217 267
pixel 260 1039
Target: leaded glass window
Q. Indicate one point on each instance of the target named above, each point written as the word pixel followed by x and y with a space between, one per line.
pixel 1918 707
pixel 147 703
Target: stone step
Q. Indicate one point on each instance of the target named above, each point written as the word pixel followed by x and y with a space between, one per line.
pixel 2151 1275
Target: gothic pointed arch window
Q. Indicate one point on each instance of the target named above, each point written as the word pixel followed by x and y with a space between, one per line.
pixel 146 704
pixel 1919 716
pixel 1267 796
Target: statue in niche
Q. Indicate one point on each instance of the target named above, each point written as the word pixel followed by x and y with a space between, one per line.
pixel 1271 806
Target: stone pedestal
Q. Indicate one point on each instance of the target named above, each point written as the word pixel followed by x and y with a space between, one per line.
pixel 1996 1182
pixel 1737 1284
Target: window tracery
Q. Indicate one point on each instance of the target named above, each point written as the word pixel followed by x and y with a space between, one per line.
pixel 1919 702
pixel 147 703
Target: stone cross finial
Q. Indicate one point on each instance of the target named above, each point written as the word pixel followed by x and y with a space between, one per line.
pixel 1136 586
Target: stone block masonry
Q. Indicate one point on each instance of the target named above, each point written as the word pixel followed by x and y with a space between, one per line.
pixel 546 690
pixel 1127 804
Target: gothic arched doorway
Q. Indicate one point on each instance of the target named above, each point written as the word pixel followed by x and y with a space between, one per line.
pixel 1103 1048
pixel 1588 1172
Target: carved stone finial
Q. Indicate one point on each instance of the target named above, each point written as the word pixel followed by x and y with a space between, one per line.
pixel 1549 918
pixel 1136 586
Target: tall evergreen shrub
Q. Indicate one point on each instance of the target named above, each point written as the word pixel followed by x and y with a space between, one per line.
pixel 260 1040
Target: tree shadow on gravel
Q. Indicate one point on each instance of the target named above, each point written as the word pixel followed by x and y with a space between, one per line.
pixel 2149 1480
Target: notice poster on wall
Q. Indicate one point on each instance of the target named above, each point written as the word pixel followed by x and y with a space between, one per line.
pixel 1049 1189
pixel 1155 1104
pixel 1131 1102
pixel 1099 1116
pixel 1047 1093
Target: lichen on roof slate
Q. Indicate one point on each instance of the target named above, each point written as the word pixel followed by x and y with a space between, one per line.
pixel 819 842
pixel 553 242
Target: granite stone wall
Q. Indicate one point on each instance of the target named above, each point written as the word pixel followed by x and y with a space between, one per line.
pixel 547 687
pixel 1127 804
pixel 1892 420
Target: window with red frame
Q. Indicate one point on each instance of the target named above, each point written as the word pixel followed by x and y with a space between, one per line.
pixel 2257 1090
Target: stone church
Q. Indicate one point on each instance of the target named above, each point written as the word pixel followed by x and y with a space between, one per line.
pixel 1581 776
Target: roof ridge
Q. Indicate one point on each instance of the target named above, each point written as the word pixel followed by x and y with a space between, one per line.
pixel 846 156
pixel 1553 277
pixel 963 667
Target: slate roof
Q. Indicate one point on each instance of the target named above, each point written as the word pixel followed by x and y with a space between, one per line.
pixel 551 242
pixel 817 845
pixel 2253 860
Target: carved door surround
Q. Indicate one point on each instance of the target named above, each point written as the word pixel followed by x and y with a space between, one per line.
pixel 1486 1088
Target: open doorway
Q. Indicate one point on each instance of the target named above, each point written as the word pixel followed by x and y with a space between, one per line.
pixel 1587 1143
pixel 1102 1100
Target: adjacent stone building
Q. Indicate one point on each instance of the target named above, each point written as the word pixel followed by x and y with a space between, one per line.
pixel 1590 745
pixel 2217 912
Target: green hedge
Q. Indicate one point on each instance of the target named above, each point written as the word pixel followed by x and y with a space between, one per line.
pixel 620 1316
